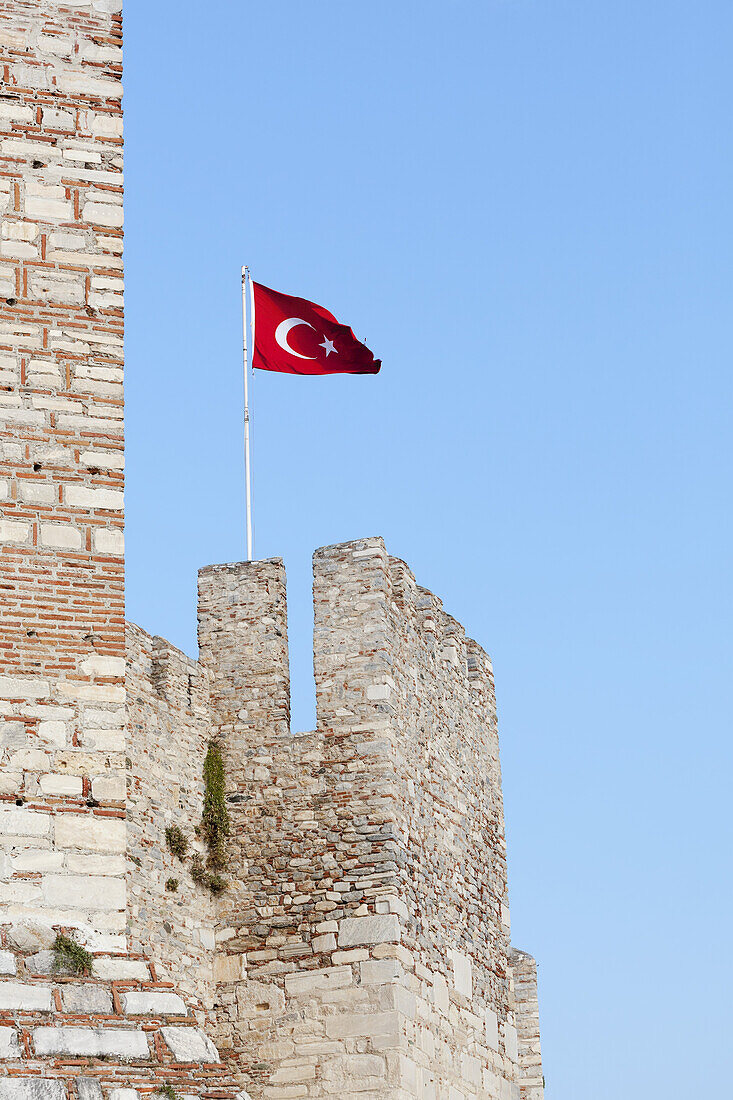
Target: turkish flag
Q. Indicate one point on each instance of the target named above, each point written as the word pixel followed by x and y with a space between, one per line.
pixel 295 336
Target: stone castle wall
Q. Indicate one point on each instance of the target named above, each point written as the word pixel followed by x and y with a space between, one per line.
pixel 531 1079
pixel 169 730
pixel 368 907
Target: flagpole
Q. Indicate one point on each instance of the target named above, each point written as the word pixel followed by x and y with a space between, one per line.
pixel 247 349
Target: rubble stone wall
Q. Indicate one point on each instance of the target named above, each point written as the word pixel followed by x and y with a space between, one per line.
pixel 526 1005
pixel 171 918
pixel 365 934
pixel 452 833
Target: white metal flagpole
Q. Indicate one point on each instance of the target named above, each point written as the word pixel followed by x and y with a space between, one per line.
pixel 247 466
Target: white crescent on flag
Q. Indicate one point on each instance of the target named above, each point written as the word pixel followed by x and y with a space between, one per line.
pixel 281 335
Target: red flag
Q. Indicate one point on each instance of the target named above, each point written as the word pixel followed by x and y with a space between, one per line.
pixel 295 336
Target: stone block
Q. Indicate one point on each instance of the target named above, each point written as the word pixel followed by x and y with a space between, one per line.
pixel 363 1024
pixel 121 969
pixel 346 958
pixel 91 693
pixel 491 1084
pixel 326 943
pixel 308 982
pixel 109 788
pixel 38 492
pixel 470 1070
pixel 255 998
pixel 229 968
pixel 48 210
pixel 355 1073
pixel 60 536
pixel 7 962
pixel 441 994
pixel 153 1004
pixel 9 1045
pixel 39 859
pixel 23 687
pixel 362 931
pixel 101 665
pixel 84 892
pixel 30 936
pixel 288 1075
pixel 103 213
pixel 93 1042
pixel 57 785
pixel 32 1088
pixel 40 963
pixel 89 833
pixel 84 863
pixel 21 997
pixel 491 1029
pixel 510 1042
pixel 54 733
pixel 87 1088
pixel 462 974
pixel 79 496
pixel 379 971
pixel 189 1044
pixel 87 999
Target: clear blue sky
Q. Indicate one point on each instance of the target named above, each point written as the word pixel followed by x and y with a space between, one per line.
pixel 525 207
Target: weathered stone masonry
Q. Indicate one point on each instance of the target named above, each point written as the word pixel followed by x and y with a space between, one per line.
pixel 61 445
pixel 369 911
pixel 362 946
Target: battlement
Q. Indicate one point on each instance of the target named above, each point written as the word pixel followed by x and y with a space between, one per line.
pixel 377 836
pixel 368 852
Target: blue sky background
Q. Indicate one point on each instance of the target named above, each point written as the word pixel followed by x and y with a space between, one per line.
pixel 525 207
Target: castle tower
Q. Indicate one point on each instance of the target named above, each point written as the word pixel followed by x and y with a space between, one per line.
pixel 62 658
pixel 82 1017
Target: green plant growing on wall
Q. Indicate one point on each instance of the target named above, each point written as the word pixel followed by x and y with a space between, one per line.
pixel 171 884
pixel 215 819
pixel 204 877
pixel 71 956
pixel 198 871
pixel 177 841
pixel 216 882
pixel 214 827
pixel 167 1090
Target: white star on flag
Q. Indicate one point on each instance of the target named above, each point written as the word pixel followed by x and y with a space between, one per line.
pixel 328 347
